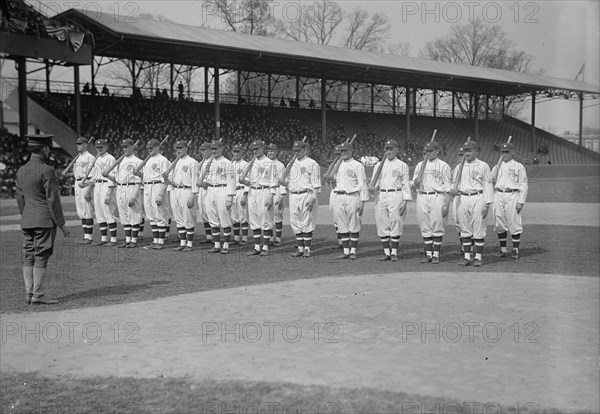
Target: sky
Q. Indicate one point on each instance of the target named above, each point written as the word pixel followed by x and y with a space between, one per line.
pixel 561 35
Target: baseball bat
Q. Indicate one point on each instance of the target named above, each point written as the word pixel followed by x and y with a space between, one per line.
pixel 66 170
pixel 247 170
pixel 425 159
pixel 118 161
pixel 495 177
pixel 336 167
pixel 205 172
pixel 460 169
pixel 139 167
pixel 289 166
pixel 168 171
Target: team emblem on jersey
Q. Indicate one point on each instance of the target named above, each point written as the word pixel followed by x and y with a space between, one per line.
pixel 396 173
pixel 239 171
pixel 220 170
pixel 351 173
pixel 185 168
pixel 154 167
pixel 302 170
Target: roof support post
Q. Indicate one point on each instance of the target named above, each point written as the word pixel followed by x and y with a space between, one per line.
pixel 487 107
pixel 533 121
pixel 349 96
pixel 434 103
pixel 172 80
pixel 323 110
pixel 503 105
pixel 394 100
pixel 77 99
pixel 298 90
pixel 408 104
pixel 414 101
pixel 239 86
pixel 372 98
pixel 92 73
pixel 580 120
pixel 217 105
pixel 453 102
pixel 268 89
pixel 205 84
pixel 476 116
pixel 22 74
pixel 47 63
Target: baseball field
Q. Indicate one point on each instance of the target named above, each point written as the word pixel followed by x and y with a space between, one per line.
pixel 169 332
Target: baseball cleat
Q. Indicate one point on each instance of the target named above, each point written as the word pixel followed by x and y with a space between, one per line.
pixel 264 253
pixel 41 300
pixel 243 242
pixel 306 254
pixel 277 243
pixel 503 254
pixel 297 253
pixel 435 260
pixel 28 298
pixel 253 253
pixel 224 251
pixel 158 247
pixel 187 249
pixel 149 247
pixel 343 256
pixel 111 244
pixel 394 258
pixel 214 250
pixel 84 241
pixel 352 256
pixel 426 259
pixel 464 262
pixel 100 243
pixel 515 255
pixel 123 246
pixel 477 263
pixel 132 245
pixel 178 249
pixel 385 258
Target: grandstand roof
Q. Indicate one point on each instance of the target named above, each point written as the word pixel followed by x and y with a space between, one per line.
pixel 158 41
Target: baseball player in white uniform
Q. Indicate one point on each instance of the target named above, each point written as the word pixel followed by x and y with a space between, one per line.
pixel 433 200
pixel 332 200
pixel 510 194
pixel 105 201
pixel 184 191
pixel 475 194
pixel 303 184
pixel 392 193
pixel 350 194
pixel 261 190
pixel 202 214
pixel 84 197
pixel 455 201
pixel 220 190
pixel 129 199
pixel 239 211
pixel 277 169
pixel 155 202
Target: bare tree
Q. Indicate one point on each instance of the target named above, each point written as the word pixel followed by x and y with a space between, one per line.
pixel 399 48
pixel 317 23
pixel 364 33
pixel 480 44
pixel 245 16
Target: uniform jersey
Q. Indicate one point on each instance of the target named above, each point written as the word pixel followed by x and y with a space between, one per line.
pixel 475 190
pixel 85 209
pixel 394 189
pixel 511 189
pixel 350 191
pixel 436 181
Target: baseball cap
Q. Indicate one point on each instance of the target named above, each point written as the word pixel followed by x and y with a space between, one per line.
pixel 153 143
pixel 127 142
pixel 273 147
pixel 237 147
pixel 181 144
pixel 469 145
pixel 298 145
pixel 336 149
pixel 216 144
pixel 81 140
pixel 205 146
pixel 345 146
pixel 432 146
pixel 391 144
pixel 39 139
pixel 507 146
pixel 101 143
pixel 257 144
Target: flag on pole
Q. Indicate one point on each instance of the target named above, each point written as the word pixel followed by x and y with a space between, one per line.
pixel 76 40
pixel 580 73
pixel 54 30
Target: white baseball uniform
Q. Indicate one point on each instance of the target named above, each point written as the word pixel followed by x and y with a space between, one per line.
pixel 511 189
pixel 105 213
pixel 183 178
pixel 128 187
pixel 437 181
pixel 304 178
pixel 262 186
pixel 154 186
pixel 350 190
pixel 394 188
pixel 85 209
pixel 239 213
pixel 221 187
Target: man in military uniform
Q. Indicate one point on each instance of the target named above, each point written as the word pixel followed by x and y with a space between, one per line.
pixel 351 193
pixel 129 198
pixel 261 189
pixel 303 184
pixel 155 201
pixel 475 195
pixel 38 198
pixel 84 197
pixel 220 190
pixel 510 194
pixel 433 185
pixel 277 169
pixel 105 201
pixel 183 193
pixel 239 211
pixel 392 192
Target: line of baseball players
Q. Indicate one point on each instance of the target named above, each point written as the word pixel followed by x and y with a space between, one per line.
pixel 236 196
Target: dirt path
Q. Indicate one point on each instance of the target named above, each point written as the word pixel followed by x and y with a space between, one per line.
pixel 499 338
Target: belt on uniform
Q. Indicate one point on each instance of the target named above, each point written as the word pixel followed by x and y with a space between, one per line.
pixel 101 181
pixel 79 179
pixel 127 183
pixel 259 187
pixel 507 190
pixel 471 194
pixel 430 192
pixel 390 190
pixel 345 192
pixel 298 192
pixel 153 182
pixel 239 187
pixel 182 186
pixel 217 185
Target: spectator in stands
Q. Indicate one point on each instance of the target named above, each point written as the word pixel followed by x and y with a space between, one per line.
pixel 86 88
pixel 311 104
pixel 95 91
pixel 157 94
pixel 165 94
pixel 180 88
pixel 105 90
pixel 536 161
pixel 282 103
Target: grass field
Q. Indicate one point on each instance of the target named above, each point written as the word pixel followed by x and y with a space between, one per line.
pixel 96 277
